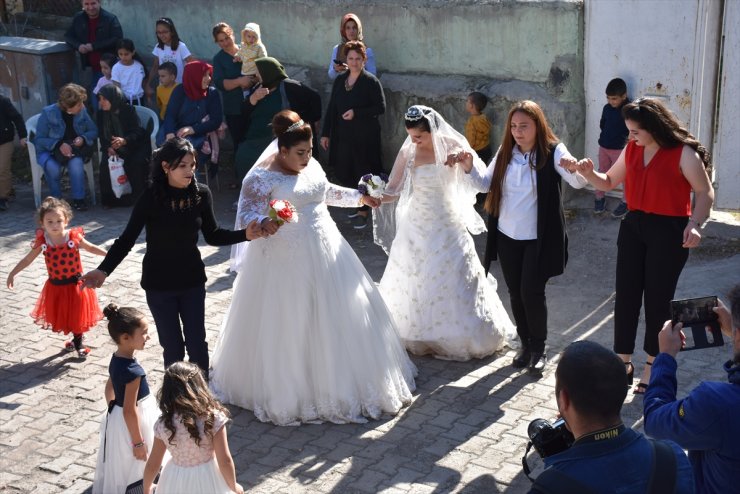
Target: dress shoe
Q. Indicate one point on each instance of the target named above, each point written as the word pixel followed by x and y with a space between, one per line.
pixel 537 363
pixel 522 358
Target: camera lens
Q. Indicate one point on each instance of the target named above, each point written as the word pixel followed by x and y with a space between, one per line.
pixel 536 426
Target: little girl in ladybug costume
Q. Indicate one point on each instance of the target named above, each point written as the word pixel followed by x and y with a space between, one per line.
pixel 64 306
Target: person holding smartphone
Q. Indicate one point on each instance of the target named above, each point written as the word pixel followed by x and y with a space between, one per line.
pixel 350 29
pixel 705 422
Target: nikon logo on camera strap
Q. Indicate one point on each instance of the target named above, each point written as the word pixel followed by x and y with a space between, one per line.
pixel 602 435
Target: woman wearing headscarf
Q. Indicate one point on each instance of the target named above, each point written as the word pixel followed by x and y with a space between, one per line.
pixel 350 29
pixel 122 135
pixel 274 92
pixel 351 131
pixel 194 109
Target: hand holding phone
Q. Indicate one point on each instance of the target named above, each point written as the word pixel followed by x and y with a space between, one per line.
pixel 700 322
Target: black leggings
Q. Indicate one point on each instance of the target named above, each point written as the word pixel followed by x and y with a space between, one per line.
pixel 526 286
pixel 650 259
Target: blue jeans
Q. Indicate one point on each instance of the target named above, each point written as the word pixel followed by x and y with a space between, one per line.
pixel 168 308
pixel 53 172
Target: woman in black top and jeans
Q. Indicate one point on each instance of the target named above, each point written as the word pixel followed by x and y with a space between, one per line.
pixel 172 209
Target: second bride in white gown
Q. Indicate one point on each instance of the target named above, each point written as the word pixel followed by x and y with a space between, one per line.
pixel 307 337
pixel 441 299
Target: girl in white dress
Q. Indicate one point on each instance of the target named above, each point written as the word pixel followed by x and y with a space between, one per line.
pixel 192 428
pixel 126 428
pixel 307 337
pixel 434 284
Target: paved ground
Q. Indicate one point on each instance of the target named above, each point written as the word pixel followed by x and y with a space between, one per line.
pixel 464 432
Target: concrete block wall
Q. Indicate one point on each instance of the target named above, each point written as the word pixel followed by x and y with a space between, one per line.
pixel 429 52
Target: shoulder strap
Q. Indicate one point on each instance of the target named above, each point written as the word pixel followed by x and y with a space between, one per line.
pixel 663 473
pixel 553 481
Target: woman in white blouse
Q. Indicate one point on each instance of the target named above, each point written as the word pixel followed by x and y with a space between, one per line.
pixel 526 225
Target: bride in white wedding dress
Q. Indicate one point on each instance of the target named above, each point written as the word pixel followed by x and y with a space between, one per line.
pixel 434 284
pixel 307 337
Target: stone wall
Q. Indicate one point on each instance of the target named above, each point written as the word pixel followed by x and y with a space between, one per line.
pixel 429 52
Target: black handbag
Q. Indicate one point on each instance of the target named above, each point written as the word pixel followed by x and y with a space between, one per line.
pixel 85 152
pixel 136 488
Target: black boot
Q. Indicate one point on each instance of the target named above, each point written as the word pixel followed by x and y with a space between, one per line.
pixel 522 358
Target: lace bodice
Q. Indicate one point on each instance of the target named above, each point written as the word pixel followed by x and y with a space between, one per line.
pixel 184 451
pixel 306 191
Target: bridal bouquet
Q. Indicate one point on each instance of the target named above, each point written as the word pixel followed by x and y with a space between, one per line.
pixel 282 211
pixel 373 185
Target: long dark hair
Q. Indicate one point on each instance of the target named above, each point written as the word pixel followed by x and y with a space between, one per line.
pixel 652 116
pixel 174 37
pixel 184 392
pixel 128 45
pixel 171 152
pixel 545 138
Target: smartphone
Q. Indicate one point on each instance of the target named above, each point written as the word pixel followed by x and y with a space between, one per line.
pixel 700 322
pixel 338 62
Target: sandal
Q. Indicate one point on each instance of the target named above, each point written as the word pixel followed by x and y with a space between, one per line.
pixel 641 386
pixel 69 346
pixel 630 374
pixel 83 352
pixel 640 389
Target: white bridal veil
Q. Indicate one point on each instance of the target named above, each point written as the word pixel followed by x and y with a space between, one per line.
pixel 447 141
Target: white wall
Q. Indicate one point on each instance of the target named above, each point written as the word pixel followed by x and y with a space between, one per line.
pixel 661 48
pixel 727 140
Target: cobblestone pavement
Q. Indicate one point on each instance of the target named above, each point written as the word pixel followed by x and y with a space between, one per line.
pixel 464 432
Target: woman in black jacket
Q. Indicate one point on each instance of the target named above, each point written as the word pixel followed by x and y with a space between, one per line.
pixel 10 122
pixel 351 129
pixel 122 135
pixel 173 209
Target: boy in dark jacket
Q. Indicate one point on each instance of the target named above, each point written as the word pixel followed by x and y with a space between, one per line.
pixel 612 138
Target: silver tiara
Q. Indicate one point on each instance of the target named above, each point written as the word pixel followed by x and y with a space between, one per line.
pixel 414 113
pixel 295 126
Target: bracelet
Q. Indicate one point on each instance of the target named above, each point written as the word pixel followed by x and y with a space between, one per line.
pixel 698 224
pixel 359 203
pixel 106 274
pixel 138 445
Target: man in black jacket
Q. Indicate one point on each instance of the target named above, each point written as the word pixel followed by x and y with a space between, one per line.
pixel 94 31
pixel 11 122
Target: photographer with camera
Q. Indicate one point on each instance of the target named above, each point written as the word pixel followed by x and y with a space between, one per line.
pixel 606 456
pixel 706 421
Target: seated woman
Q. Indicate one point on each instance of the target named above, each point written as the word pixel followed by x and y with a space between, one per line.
pixel 194 109
pixel 122 135
pixel 65 135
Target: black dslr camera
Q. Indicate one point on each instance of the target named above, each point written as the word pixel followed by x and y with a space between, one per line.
pixel 548 439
